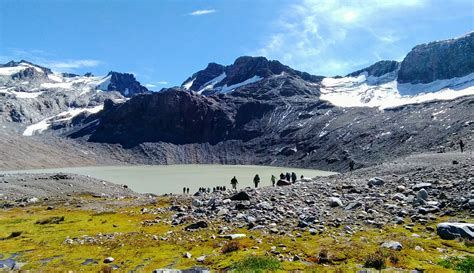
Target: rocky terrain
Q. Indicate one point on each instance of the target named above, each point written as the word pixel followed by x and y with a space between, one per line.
pixel 415 213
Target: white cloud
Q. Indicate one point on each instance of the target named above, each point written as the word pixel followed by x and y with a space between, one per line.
pixel 71 64
pixel 202 12
pixel 308 33
pixel 155 84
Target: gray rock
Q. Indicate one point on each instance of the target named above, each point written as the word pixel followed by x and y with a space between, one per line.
pixel 420 186
pixel 450 231
pixel 399 197
pixel 241 196
pixel 233 236
pixel 422 195
pixel 392 245
pixel 109 260
pixel 376 181
pixel 201 259
pixel 335 202
pixel 197 225
pixel 187 255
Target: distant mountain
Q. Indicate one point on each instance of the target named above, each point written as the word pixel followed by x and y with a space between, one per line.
pixel 258 111
pixel 30 93
pixel 216 78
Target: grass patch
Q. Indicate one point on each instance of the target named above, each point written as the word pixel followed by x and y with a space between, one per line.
pixel 257 264
pixel 50 220
pixel 460 264
pixel 231 247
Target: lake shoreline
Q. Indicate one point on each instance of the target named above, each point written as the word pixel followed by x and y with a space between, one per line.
pixel 165 179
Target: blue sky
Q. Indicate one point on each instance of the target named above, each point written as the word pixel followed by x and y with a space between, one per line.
pixel 164 41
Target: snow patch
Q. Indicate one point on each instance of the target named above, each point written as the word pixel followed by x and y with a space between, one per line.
pixel 43 125
pixel 361 92
pixel 188 84
pixel 226 89
pixel 210 84
pixel 104 83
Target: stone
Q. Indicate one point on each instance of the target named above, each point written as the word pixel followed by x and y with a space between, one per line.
pixel 420 186
pixel 394 245
pixel 197 225
pixel 399 197
pixel 187 255
pixel 201 259
pixel 241 196
pixel 375 181
pixel 197 203
pixel 282 182
pixel 422 195
pixel 109 260
pixel 353 205
pixel 335 202
pixel 450 231
pixel 401 188
pixel 233 236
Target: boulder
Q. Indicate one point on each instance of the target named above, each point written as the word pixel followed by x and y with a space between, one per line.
pixel 197 225
pixel 375 181
pixel 394 245
pixel 450 231
pixel 241 196
pixel 422 195
pixel 282 182
pixel 109 260
pixel 233 236
pixel 335 202
pixel 420 186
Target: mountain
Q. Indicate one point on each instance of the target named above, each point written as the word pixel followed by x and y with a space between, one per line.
pixel 216 78
pixel 33 94
pixel 258 111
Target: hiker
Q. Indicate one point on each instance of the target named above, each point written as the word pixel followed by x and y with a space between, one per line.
pixel 234 183
pixel 288 176
pixel 256 180
pixel 282 176
pixel 208 190
pixel 293 177
pixel 187 190
pixel 184 190
pixel 273 179
pixel 351 165
pixel 224 188
pixel 461 145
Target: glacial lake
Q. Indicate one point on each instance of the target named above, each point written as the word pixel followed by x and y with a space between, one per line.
pixel 161 179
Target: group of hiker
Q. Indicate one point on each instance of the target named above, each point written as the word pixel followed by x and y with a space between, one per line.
pixel 256 180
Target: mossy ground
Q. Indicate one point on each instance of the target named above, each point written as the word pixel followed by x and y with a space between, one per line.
pixel 42 246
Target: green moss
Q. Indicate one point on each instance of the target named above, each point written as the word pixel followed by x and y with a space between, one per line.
pixel 257 264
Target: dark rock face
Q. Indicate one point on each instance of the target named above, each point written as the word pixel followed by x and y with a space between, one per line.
pixel 126 84
pixel 201 77
pixel 438 60
pixel 172 116
pixel 244 68
pixel 378 69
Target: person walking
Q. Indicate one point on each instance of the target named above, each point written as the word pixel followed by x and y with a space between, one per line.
pixel 293 177
pixel 273 179
pixel 234 183
pixel 288 177
pixel 256 180
pixel 461 145
pixel 351 165
pixel 187 190
pixel 184 190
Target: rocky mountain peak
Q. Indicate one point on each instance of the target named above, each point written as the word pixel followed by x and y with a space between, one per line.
pixel 216 78
pixel 377 69
pixel 438 60
pixel 125 83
